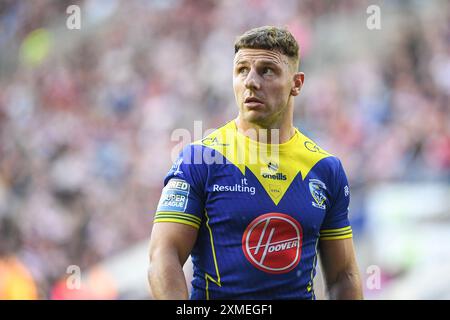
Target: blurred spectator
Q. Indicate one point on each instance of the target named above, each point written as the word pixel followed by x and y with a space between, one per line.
pixel 16 281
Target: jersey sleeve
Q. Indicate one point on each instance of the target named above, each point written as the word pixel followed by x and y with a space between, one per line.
pixel 182 198
pixel 336 224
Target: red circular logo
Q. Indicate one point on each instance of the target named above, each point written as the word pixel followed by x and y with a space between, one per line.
pixel 273 242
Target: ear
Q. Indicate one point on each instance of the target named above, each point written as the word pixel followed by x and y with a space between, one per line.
pixel 299 79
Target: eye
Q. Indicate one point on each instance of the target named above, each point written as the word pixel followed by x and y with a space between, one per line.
pixel 243 70
pixel 267 71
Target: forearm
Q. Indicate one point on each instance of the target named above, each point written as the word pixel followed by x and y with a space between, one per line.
pixel 166 278
pixel 347 286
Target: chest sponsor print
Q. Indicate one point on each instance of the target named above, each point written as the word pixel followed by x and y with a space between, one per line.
pixel 272 242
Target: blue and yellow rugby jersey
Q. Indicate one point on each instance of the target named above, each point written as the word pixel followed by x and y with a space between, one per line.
pixel 259 219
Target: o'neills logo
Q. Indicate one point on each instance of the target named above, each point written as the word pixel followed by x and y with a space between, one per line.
pixel 273 243
pixel 277 176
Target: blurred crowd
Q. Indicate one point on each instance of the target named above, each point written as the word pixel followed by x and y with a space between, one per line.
pixel 86 115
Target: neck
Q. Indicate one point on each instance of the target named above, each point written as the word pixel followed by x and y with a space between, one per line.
pixel 276 133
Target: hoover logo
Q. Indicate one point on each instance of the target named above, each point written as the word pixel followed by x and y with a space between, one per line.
pixel 273 243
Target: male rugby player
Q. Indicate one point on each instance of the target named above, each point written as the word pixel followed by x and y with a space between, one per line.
pixel 254 212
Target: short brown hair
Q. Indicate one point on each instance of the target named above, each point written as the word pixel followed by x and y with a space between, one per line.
pixel 269 38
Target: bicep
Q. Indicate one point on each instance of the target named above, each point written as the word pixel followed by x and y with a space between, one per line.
pixel 177 220
pixel 170 237
pixel 337 257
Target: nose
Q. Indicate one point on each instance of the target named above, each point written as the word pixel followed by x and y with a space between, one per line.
pixel 252 81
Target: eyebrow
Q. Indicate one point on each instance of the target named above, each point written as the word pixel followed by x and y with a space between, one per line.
pixel 263 62
pixel 268 62
pixel 240 62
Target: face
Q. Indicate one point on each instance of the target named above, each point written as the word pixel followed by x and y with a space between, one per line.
pixel 264 82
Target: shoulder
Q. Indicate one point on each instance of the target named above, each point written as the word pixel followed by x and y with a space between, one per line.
pixel 198 156
pixel 332 162
pixel 219 138
pixel 310 147
pixel 321 160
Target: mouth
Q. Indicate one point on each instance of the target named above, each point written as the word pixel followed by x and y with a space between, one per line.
pixel 252 102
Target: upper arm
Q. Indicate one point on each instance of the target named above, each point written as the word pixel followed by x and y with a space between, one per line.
pixel 336 249
pixel 177 220
pixel 172 238
pixel 336 244
pixel 179 213
pixel 337 258
pixel 340 269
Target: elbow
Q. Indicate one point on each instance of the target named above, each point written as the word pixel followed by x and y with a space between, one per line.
pixel 347 286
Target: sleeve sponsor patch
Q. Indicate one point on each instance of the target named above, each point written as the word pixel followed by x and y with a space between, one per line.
pixel 174 196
